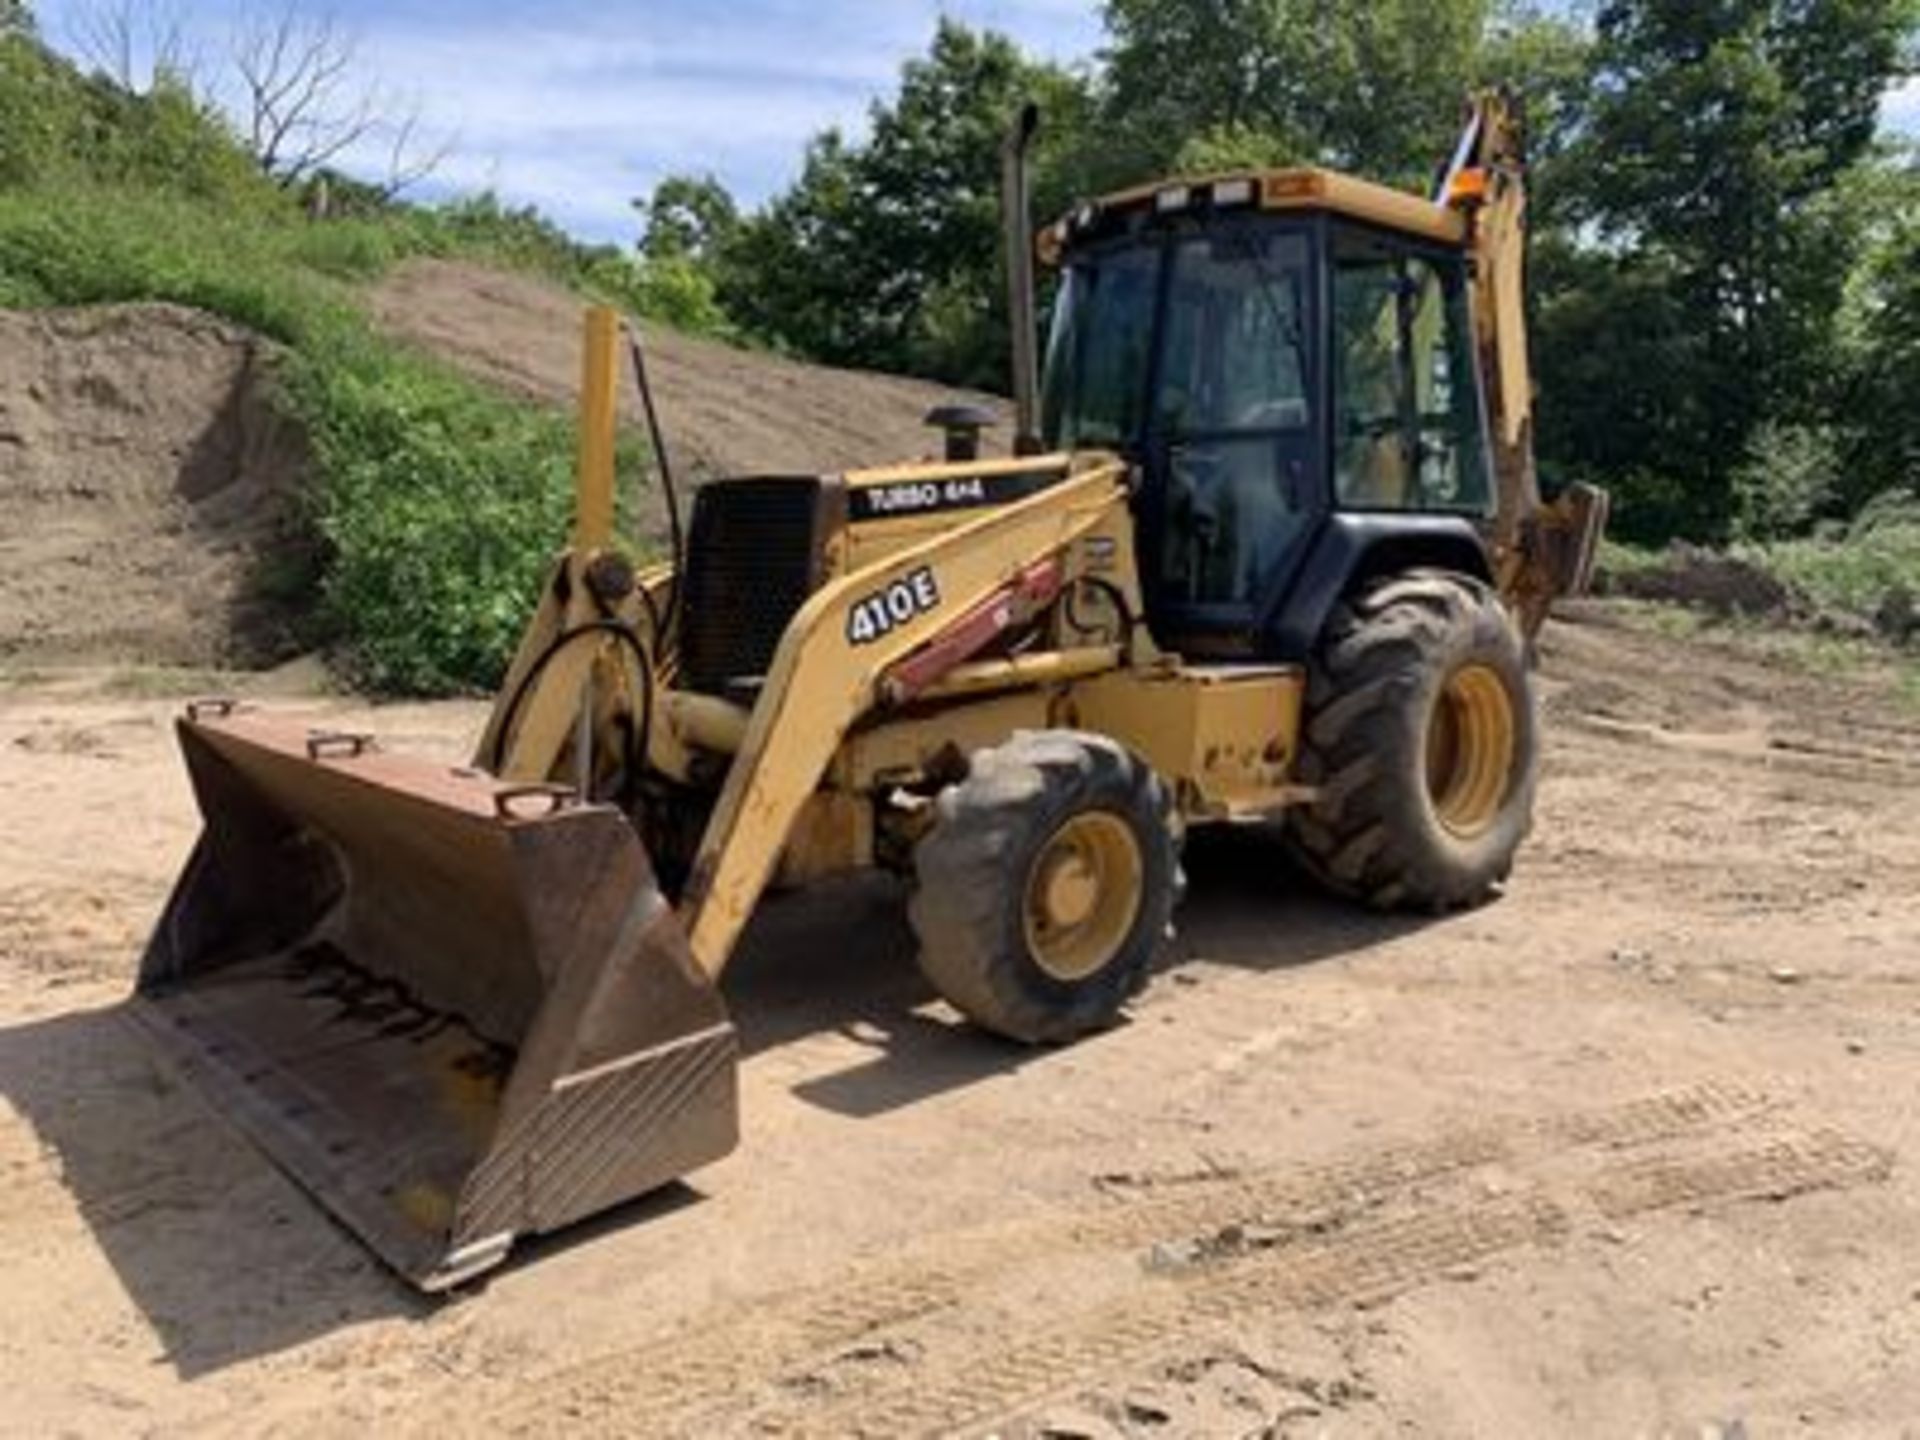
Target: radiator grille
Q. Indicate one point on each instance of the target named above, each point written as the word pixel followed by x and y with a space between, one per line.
pixel 751 563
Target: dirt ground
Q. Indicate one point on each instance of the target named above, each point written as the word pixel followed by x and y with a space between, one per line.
pixel 1632 1151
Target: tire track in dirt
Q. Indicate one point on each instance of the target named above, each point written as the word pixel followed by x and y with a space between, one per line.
pixel 704 1376
pixel 1798 754
pixel 1779 1170
pixel 1364 1263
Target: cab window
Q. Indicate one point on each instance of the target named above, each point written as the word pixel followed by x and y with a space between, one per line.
pixel 1407 420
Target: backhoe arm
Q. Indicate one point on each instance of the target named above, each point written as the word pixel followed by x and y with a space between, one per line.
pixel 829 669
pixel 1541 551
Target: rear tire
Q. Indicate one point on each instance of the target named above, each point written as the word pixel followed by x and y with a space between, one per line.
pixel 1421 737
pixel 1046 885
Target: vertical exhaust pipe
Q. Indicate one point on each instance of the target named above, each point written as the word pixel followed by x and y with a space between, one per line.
pixel 1017 232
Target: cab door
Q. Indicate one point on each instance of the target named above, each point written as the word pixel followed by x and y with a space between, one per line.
pixel 1230 440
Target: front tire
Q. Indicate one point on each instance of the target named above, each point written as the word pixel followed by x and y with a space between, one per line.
pixel 1046 885
pixel 1421 737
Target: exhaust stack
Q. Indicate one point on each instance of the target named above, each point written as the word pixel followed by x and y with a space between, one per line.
pixel 1017 232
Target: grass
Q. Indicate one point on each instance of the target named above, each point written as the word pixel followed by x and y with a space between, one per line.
pixel 1620 558
pixel 88 245
pixel 1676 622
pixel 1856 574
pixel 1843 657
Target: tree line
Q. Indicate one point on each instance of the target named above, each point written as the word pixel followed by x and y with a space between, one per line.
pixel 1726 252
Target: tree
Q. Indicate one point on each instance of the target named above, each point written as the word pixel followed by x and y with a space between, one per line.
pixel 690 216
pixel 302 106
pixel 1706 170
pixel 886 254
pixel 305 104
pixel 140 45
pixel 1371 86
pixel 1545 60
pixel 16 19
pixel 1881 326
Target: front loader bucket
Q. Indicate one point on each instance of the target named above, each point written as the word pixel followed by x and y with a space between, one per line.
pixel 456 1011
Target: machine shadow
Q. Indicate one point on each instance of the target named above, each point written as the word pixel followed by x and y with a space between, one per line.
pixel 838 958
pixel 1248 905
pixel 225 1258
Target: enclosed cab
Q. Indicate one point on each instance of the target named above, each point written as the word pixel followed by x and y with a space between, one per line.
pixel 1288 360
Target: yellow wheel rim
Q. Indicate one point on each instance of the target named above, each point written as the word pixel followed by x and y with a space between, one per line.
pixel 1471 740
pixel 1083 895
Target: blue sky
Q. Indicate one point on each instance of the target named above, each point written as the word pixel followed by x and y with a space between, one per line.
pixel 578 107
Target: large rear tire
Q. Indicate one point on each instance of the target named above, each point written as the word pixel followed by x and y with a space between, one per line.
pixel 1421 737
pixel 1046 885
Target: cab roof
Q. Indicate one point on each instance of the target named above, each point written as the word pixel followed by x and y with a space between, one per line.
pixel 1306 189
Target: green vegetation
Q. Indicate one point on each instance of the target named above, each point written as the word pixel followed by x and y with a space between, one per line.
pixel 439 506
pixel 1872 572
pixel 1863 579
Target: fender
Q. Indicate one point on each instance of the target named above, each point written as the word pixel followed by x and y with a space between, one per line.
pixel 1353 548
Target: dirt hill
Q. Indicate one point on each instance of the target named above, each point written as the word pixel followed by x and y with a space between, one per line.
pixel 144 481
pixel 144 477
pixel 726 411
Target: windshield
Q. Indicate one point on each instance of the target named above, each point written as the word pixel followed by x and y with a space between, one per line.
pixel 1096 373
pixel 1232 357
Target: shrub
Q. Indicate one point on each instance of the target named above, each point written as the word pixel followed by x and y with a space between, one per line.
pixel 1863 575
pixel 439 505
pixel 1648 508
pixel 1789 474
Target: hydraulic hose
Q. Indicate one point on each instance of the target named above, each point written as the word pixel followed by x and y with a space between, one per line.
pixel 638 739
pixel 670 491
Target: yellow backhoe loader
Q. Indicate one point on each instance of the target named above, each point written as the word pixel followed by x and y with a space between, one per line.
pixel 1269 547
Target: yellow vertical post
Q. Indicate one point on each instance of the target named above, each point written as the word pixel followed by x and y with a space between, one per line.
pixel 593 486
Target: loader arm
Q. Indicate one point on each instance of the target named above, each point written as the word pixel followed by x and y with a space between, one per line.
pixel 826 675
pixel 1541 551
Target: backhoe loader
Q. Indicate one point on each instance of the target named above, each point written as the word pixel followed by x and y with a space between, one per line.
pixel 1268 548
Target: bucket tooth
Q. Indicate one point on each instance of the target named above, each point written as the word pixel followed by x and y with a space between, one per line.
pixel 455 1011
